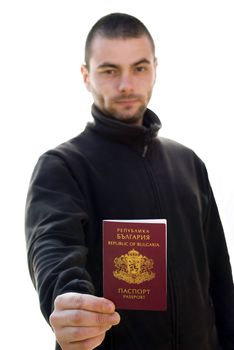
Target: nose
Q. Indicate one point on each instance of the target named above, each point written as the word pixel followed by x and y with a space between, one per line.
pixel 125 83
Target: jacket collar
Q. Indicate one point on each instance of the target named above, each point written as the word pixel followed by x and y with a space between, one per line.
pixel 124 133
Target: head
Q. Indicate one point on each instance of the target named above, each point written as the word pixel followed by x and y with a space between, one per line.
pixel 120 66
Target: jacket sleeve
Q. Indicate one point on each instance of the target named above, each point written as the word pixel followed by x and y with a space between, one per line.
pixel 221 281
pixel 56 222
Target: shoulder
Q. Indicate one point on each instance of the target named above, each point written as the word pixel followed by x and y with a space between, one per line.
pixel 175 148
pixel 173 145
pixel 181 158
pixel 66 150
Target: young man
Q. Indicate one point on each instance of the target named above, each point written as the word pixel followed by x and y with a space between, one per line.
pixel 119 168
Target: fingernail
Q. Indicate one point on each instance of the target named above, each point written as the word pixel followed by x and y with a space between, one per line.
pixel 115 318
pixel 110 306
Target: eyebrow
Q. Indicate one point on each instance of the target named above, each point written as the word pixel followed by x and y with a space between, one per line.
pixel 111 65
pixel 107 64
pixel 142 61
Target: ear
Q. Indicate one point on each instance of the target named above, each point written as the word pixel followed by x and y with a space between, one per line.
pixel 85 74
pixel 155 68
pixel 155 62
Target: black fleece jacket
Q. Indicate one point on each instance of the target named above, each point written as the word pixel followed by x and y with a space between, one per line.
pixel 117 171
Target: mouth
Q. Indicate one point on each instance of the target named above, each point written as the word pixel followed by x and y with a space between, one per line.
pixel 127 101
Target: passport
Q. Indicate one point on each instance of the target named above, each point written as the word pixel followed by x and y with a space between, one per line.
pixel 135 263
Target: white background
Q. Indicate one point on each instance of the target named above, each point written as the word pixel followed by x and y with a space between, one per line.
pixel 43 102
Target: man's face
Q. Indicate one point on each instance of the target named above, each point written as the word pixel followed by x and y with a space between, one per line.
pixel 121 76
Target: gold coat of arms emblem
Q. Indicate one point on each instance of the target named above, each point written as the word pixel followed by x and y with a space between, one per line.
pixel 134 268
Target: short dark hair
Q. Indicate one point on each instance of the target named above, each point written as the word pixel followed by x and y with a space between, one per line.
pixel 116 25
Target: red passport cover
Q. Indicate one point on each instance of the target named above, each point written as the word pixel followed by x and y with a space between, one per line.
pixel 135 263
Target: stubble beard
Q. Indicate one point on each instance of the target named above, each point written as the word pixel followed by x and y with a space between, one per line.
pixel 127 117
pixel 134 118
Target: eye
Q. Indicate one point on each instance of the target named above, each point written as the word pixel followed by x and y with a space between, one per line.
pixel 140 69
pixel 109 71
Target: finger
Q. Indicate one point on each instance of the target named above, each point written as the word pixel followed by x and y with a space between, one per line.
pixel 83 318
pixel 77 334
pixel 91 343
pixel 83 301
pixel 87 344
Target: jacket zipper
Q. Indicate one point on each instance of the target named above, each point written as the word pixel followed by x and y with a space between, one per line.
pixel 172 295
pixel 174 314
pixel 145 151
